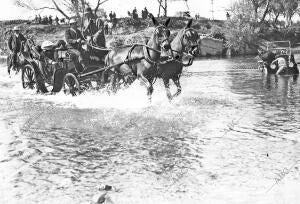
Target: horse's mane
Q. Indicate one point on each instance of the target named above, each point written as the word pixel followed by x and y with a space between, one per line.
pixel 177 38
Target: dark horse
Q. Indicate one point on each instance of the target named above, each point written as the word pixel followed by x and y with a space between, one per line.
pixel 185 43
pixel 140 60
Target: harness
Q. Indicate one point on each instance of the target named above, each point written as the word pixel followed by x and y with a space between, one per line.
pixel 181 53
pixel 146 52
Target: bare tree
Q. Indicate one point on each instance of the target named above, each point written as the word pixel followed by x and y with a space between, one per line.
pixel 163 6
pixel 76 7
pixel 99 2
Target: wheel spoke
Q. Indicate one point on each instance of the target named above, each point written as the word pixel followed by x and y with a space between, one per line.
pixel 28 78
pixel 71 85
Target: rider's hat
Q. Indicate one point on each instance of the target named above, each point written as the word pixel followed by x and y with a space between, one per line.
pixel 47 45
pixel 72 21
pixel 17 28
pixel 88 9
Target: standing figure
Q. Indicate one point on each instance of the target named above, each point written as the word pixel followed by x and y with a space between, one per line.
pixel 36 19
pixel 50 20
pixel 134 14
pixel 90 24
pixel 14 45
pixel 106 27
pixel 39 19
pixel 146 12
pixel 56 20
pixel 110 16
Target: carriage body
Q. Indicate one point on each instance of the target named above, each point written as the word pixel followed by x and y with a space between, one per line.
pixel 39 74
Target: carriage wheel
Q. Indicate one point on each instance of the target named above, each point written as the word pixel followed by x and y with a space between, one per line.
pixel 71 85
pixel 28 77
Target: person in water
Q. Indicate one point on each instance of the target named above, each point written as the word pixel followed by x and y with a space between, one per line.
pixel 282 64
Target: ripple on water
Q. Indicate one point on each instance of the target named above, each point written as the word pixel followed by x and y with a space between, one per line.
pixel 224 140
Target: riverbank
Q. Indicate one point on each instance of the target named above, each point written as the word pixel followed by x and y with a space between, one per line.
pixel 216 36
pixel 127 31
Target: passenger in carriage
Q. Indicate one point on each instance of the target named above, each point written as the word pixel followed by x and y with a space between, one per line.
pixel 14 46
pixel 75 39
pixel 46 55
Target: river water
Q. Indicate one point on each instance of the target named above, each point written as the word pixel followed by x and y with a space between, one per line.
pixel 231 137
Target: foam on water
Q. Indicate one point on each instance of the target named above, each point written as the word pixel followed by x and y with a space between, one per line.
pixel 133 98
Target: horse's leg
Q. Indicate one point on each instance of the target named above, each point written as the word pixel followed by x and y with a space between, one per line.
pixel 148 85
pixel 177 83
pixel 167 87
pixel 111 87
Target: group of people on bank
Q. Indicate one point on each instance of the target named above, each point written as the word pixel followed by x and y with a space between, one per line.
pixel 92 33
pixel 47 20
pixel 135 16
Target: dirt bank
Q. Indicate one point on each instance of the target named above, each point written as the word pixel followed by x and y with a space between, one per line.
pixel 127 30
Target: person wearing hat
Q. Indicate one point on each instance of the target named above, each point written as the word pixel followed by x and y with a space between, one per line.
pixel 74 40
pixel 89 14
pixel 14 46
pixel 90 27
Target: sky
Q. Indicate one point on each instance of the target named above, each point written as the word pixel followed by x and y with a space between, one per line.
pixel 9 11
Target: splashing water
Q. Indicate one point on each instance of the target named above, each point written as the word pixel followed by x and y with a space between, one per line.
pixel 227 138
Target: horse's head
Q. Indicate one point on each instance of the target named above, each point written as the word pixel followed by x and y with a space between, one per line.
pixel 161 34
pixel 190 39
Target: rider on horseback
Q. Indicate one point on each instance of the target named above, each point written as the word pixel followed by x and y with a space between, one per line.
pixel 75 39
pixel 14 46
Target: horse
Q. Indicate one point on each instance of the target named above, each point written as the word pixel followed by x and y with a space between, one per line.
pixel 140 60
pixel 185 42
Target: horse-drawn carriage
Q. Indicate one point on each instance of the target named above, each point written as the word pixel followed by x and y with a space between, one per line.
pixel 138 61
pixel 276 54
pixel 59 72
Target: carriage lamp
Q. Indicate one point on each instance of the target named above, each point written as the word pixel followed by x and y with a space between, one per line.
pixel 273 66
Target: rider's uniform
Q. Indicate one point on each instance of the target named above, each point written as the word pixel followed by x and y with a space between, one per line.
pixel 14 45
pixel 74 47
pixel 90 26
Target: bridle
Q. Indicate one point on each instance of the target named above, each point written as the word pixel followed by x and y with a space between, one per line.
pixel 146 48
pixel 157 32
pixel 191 44
pixel 188 49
